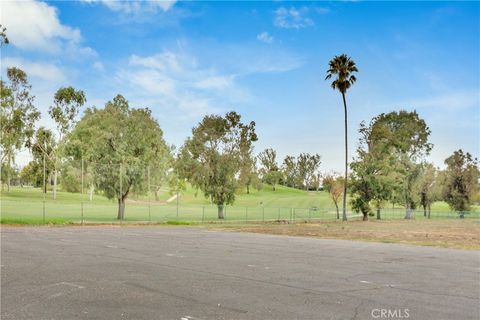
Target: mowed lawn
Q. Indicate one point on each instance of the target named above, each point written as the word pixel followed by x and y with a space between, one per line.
pixel 27 205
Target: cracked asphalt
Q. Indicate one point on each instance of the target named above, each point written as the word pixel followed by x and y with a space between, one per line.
pixel 192 273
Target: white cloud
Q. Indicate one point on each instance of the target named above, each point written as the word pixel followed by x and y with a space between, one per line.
pixel 165 61
pixel 43 71
pixel 176 82
pixel 33 25
pixel 97 65
pixel 215 82
pixel 136 7
pixel 454 100
pixel 265 37
pixel 292 18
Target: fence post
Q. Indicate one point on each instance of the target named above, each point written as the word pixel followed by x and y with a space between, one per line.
pixel 203 213
pixel 122 208
pixel 149 196
pixel 82 180
pixel 81 199
pixel 44 188
pixel 177 201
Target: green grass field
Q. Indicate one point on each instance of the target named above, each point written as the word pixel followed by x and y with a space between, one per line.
pixel 27 206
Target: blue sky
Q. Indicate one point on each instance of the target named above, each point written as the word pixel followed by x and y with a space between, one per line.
pixel 265 60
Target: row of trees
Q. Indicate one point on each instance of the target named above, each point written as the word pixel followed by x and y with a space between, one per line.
pixel 390 168
pixel 118 142
pixel 390 162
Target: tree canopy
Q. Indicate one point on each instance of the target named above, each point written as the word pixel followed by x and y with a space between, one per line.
pixel 119 143
pixel 17 117
pixel 461 180
pixel 269 169
pixel 211 158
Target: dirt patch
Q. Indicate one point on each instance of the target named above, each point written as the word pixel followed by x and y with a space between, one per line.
pixel 461 234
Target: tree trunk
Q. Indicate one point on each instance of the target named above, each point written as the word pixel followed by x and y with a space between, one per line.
pixel 92 188
pixel 8 170
pixel 248 189
pixel 220 208
pixel 424 211
pixel 121 208
pixel 157 197
pixel 408 212
pixel 273 186
pixel 429 211
pixel 378 213
pixel 365 216
pixel 338 213
pixel 55 174
pixel 344 218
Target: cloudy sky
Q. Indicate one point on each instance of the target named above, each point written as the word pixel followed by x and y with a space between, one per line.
pixel 265 60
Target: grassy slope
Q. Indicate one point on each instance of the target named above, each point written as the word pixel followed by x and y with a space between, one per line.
pixel 282 197
pixel 26 204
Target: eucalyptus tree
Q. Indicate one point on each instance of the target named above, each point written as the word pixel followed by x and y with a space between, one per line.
pixel 342 69
pixel 17 117
pixel 333 184
pixel 402 139
pixel 461 180
pixel 269 169
pixel 211 158
pixel 3 36
pixel 248 168
pixel 43 149
pixel 427 187
pixel 290 171
pixel 119 143
pixel 66 106
pixel 307 168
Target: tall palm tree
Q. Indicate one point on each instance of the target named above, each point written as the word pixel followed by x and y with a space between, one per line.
pixel 341 68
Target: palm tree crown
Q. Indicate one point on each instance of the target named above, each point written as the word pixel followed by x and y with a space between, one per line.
pixel 343 68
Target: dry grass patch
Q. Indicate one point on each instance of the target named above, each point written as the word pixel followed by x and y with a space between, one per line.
pixel 460 234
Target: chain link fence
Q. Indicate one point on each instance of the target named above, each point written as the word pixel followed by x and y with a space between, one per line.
pixel 86 192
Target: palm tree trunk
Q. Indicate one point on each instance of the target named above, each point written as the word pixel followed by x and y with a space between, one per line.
pixel 344 218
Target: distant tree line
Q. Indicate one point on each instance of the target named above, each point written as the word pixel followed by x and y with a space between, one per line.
pixel 119 150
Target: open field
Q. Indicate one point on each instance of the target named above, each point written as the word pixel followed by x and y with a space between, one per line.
pixel 192 273
pixel 26 205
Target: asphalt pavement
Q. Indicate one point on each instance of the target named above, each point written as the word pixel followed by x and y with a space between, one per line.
pixel 192 273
